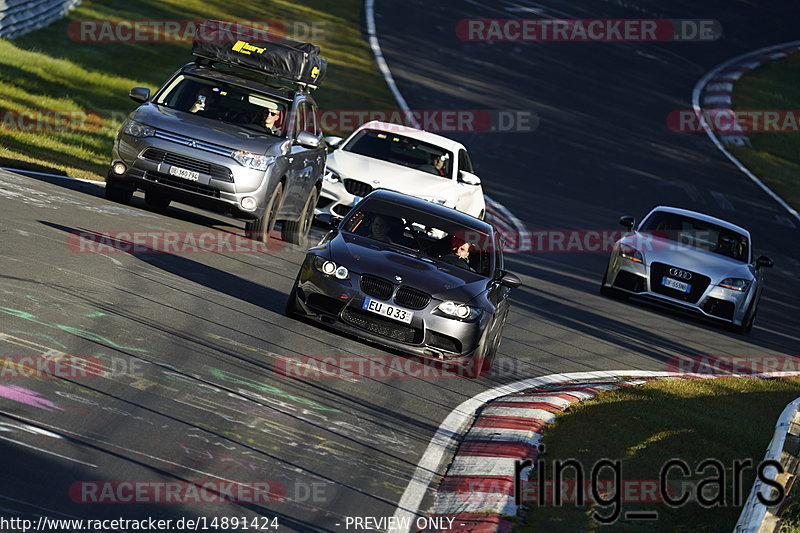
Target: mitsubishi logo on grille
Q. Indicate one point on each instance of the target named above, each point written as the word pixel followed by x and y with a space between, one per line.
pixel 678 273
pixel 193 143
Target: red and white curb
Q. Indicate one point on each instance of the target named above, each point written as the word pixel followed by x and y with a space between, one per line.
pixel 718 91
pixel 477 493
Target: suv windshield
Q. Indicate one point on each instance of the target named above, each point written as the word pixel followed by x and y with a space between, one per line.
pixel 698 234
pixel 229 103
pixel 423 233
pixel 402 150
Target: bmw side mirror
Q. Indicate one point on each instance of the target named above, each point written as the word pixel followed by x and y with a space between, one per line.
pixel 329 221
pixel 468 177
pixel 764 261
pixel 509 280
pixel 308 140
pixel 139 94
pixel 628 222
pixel 332 141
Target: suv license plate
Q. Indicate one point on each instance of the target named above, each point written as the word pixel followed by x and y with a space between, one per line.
pixel 389 311
pixel 675 284
pixel 184 173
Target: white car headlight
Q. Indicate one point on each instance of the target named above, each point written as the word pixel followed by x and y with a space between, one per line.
pixel 441 200
pixel 254 161
pixel 459 310
pixel 137 129
pixel 735 284
pixel 331 176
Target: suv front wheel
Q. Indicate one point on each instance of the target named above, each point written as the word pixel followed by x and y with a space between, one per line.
pixel 259 229
pixel 296 232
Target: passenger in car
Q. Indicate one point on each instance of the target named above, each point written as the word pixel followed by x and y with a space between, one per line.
pixel 459 255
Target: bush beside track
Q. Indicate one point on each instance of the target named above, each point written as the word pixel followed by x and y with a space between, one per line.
pixel 62 100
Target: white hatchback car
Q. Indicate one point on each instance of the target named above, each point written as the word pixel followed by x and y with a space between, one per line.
pixel 380 155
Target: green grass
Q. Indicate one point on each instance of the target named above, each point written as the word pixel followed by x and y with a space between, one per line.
pixel 47 70
pixel 726 419
pixel 774 157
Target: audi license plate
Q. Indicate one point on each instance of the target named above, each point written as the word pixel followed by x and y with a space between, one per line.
pixel 675 284
pixel 184 173
pixel 389 311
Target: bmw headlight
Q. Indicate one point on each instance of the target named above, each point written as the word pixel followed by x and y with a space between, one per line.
pixel 251 160
pixel 735 284
pixel 137 129
pixel 331 176
pixel 459 310
pixel 329 268
pixel 629 252
pixel 435 199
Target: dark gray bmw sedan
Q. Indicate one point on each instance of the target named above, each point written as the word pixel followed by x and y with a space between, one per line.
pixel 413 276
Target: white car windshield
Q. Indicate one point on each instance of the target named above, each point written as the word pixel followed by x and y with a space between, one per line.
pixel 698 234
pixel 402 150
pixel 225 102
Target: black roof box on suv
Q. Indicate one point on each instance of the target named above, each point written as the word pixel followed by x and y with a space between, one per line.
pixel 261 51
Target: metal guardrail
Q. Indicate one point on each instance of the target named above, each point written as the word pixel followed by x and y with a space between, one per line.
pixel 18 17
pixel 784 448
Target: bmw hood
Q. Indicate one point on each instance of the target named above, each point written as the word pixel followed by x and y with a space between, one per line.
pixel 714 265
pixel 204 129
pixel 445 282
pixel 391 176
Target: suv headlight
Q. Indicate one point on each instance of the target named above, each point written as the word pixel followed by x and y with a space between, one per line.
pixel 329 268
pixel 629 252
pixel 137 129
pixel 254 161
pixel 332 176
pixel 735 284
pixel 459 310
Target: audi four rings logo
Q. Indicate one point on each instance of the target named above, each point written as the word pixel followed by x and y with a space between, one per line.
pixel 678 273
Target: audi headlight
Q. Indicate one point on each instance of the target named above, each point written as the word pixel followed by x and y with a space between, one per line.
pixel 629 252
pixel 137 129
pixel 329 268
pixel 331 176
pixel 459 310
pixel 735 284
pixel 251 160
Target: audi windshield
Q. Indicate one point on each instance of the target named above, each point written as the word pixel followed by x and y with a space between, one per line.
pixel 698 234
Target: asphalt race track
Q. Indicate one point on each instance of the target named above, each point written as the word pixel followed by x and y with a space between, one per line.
pixel 191 341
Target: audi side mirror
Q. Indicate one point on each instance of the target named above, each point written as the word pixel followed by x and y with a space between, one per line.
pixel 628 222
pixel 764 261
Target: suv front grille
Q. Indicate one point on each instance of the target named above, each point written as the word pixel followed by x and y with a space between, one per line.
pixel 185 185
pixel 412 298
pixel 357 188
pixel 217 172
pixel 698 282
pixel 377 287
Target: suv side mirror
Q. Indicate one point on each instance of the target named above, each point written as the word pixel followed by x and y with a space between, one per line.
pixel 308 140
pixel 764 261
pixel 329 221
pixel 509 280
pixel 333 141
pixel 468 177
pixel 139 94
pixel 628 222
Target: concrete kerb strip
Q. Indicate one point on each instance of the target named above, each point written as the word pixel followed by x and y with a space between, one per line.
pixel 477 491
pixel 722 78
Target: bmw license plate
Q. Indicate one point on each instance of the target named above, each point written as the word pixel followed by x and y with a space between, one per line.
pixel 184 173
pixel 675 284
pixel 389 311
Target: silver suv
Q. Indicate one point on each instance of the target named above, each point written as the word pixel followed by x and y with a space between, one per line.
pixel 227 139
